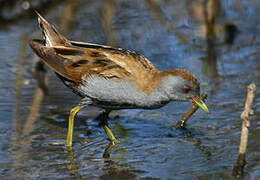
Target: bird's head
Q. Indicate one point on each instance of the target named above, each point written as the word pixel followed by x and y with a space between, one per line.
pixel 181 85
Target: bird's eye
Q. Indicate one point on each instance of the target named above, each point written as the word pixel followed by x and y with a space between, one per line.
pixel 186 90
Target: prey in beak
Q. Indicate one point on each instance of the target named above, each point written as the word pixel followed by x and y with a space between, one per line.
pixel 200 103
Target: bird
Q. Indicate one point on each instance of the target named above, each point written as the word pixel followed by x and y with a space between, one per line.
pixel 111 78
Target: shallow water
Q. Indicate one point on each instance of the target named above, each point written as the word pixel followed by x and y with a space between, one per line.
pixel 170 33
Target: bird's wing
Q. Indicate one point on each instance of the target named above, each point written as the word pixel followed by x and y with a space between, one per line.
pixel 80 60
pixel 87 59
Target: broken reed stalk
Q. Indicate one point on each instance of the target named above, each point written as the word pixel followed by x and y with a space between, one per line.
pixel 188 114
pixel 238 169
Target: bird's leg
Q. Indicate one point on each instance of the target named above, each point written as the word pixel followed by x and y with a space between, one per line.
pixel 73 113
pixel 104 124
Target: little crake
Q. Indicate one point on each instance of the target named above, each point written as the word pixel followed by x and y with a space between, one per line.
pixel 111 78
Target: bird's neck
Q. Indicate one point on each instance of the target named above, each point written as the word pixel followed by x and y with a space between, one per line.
pixel 152 81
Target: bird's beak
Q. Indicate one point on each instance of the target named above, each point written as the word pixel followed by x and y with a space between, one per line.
pixel 200 103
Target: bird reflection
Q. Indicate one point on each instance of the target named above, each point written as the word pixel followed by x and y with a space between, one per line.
pixel 108 150
pixel 72 165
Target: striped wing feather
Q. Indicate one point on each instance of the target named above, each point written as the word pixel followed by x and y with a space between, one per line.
pixel 86 59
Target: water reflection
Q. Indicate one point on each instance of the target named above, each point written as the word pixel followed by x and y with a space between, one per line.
pixel 213 29
pixel 66 17
pixel 154 6
pixel 115 171
pixel 73 165
pixel 109 10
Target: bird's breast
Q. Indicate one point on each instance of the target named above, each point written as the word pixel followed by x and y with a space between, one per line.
pixel 121 94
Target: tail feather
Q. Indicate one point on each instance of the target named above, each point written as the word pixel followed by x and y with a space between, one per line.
pixel 50 58
pixel 51 36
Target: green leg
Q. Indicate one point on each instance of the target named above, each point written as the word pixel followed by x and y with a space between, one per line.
pixel 110 134
pixel 73 113
pixel 106 128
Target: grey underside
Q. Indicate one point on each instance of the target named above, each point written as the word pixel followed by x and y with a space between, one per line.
pixel 122 94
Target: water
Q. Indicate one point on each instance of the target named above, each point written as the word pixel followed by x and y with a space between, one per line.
pixel 170 33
